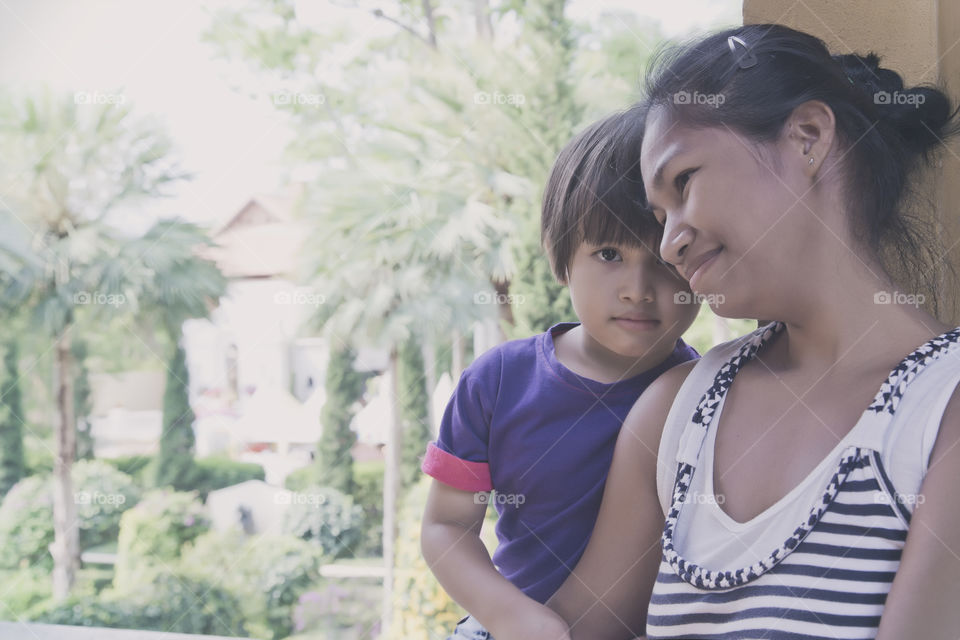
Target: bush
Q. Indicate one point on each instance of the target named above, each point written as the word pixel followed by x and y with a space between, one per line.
pixel 369 495
pixel 26 524
pixel 344 608
pixel 153 532
pixel 173 602
pixel 302 478
pixel 325 517
pixel 102 494
pixel 210 474
pixel 25 589
pixel 133 466
pixel 267 573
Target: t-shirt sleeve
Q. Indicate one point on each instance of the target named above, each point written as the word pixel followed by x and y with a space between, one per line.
pixel 459 457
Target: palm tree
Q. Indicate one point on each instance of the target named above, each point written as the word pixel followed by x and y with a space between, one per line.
pixel 66 264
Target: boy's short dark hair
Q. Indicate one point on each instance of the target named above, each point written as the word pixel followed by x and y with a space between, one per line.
pixel 595 192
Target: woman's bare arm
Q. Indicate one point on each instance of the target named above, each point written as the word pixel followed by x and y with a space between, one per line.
pixel 923 602
pixel 606 596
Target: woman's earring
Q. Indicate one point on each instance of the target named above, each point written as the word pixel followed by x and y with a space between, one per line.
pixel 810 162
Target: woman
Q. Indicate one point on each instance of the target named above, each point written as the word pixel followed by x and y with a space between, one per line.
pixel 798 482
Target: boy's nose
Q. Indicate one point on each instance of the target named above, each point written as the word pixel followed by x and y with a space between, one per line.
pixel 638 286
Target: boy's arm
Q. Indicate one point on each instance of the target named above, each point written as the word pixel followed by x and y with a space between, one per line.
pixel 606 597
pixel 450 542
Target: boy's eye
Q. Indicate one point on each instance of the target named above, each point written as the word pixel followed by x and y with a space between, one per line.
pixel 608 254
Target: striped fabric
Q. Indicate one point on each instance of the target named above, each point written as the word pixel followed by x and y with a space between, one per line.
pixel 830 578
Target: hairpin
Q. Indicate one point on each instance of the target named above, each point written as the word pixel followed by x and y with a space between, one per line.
pixel 745 60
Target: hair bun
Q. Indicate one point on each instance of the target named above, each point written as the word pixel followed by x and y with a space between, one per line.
pixel 919 114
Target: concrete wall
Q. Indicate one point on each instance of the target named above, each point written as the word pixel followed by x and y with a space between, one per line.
pixel 920 39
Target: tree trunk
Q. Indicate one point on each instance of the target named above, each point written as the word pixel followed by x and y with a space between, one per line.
pixel 66 545
pixel 428 347
pixel 391 492
pixel 504 309
pixel 459 348
pixel 431 23
pixel 481 12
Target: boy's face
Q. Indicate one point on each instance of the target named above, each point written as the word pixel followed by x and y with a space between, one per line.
pixel 628 300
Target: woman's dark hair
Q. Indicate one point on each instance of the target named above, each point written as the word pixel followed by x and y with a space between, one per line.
pixel 886 131
pixel 595 192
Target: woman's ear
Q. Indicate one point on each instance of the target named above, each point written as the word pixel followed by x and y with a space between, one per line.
pixel 810 133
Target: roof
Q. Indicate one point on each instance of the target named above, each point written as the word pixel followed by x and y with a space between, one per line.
pixel 262 239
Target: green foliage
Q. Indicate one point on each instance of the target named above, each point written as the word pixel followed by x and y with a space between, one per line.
pixel 174 463
pixel 423 610
pixel 12 457
pixel 541 301
pixel 153 532
pixel 369 495
pixel 26 524
pixel 102 495
pixel 27 588
pixel 344 387
pixel 210 474
pixel 266 573
pixel 133 465
pixel 325 517
pixel 344 608
pixel 174 602
pixel 414 421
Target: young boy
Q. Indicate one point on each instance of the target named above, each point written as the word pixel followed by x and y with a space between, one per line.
pixel 536 419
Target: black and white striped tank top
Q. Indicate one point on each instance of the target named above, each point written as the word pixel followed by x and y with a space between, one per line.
pixel 831 576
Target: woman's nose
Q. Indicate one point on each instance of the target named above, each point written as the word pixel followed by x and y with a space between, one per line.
pixel 676 238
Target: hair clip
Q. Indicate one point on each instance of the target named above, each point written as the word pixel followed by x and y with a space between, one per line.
pixel 746 59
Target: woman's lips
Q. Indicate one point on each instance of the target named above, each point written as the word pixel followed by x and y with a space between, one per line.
pixel 700 265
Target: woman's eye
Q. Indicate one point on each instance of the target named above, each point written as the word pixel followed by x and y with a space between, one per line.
pixel 608 255
pixel 682 180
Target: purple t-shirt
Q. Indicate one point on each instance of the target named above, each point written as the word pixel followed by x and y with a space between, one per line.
pixel 542 437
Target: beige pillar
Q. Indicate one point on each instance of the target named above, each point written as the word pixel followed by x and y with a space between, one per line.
pixel 920 39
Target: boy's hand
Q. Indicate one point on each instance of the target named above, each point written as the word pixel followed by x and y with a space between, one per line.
pixel 535 622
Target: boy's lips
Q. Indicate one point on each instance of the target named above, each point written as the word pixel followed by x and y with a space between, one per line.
pixel 636 322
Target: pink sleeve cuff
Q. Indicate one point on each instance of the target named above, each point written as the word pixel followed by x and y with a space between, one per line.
pixel 459 474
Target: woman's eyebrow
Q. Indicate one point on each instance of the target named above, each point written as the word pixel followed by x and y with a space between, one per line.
pixel 671 153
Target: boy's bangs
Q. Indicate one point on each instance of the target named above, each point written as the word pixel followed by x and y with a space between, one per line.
pixel 621 225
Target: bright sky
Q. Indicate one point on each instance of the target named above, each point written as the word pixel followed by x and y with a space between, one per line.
pixel 153 52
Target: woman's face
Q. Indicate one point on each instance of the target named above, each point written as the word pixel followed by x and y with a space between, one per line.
pixel 736 221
